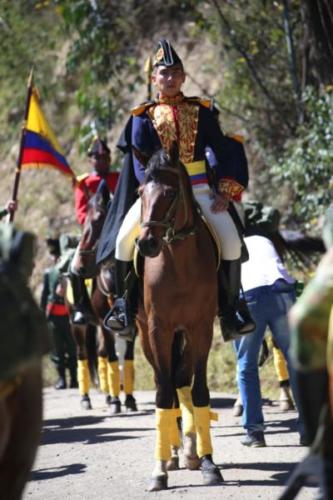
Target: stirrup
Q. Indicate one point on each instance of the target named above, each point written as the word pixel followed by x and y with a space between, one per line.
pixel 117 321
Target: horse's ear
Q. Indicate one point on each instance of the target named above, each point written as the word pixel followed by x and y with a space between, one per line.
pixel 141 157
pixel 174 153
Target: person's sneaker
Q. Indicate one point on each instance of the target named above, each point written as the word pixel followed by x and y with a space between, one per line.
pixel 254 439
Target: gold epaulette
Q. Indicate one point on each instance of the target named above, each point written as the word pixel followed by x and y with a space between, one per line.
pixel 138 110
pixel 207 103
pixel 81 177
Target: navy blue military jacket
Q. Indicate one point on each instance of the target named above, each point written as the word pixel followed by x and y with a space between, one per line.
pixel 191 123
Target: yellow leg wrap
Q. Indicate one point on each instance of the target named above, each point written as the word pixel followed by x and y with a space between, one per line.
pixel 114 378
pixel 186 408
pixel 128 376
pixel 103 374
pixel 174 431
pixel 280 365
pixel 164 420
pixel 83 376
pixel 202 422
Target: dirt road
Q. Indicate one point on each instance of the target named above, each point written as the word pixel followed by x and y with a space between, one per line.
pixel 89 455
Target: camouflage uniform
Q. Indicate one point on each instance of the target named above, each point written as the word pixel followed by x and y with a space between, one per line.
pixel 312 339
pixel 23 330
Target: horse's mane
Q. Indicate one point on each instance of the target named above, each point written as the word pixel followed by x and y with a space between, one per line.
pixel 158 163
pixel 101 198
pixel 301 249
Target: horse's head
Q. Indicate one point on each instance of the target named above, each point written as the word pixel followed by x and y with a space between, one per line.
pixel 97 207
pixel 166 195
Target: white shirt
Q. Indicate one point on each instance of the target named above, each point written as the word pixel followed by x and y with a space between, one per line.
pixel 264 266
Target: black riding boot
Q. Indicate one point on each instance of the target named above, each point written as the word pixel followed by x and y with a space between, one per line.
pixel 81 314
pixel 235 318
pixel 122 315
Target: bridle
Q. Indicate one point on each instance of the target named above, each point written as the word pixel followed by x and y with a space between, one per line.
pixel 168 222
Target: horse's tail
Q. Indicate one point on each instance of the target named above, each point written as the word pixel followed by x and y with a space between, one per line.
pixel 177 359
pixel 92 352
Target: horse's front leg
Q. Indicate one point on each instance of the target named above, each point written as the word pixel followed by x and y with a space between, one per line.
pixel 161 343
pixel 202 416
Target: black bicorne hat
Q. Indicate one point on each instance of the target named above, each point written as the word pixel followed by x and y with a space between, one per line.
pixel 98 147
pixel 165 54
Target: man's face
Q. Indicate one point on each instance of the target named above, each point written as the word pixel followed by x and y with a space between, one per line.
pixel 101 162
pixel 169 80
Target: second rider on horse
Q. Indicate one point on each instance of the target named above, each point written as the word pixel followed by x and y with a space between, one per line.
pixel 87 184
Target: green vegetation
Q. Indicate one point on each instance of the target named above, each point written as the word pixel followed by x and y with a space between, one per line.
pixel 266 64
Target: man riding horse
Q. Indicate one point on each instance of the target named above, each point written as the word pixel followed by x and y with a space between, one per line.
pixel 189 122
pixel 99 155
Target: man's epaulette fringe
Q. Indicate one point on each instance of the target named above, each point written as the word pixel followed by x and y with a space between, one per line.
pixel 207 103
pixel 138 110
pixel 81 177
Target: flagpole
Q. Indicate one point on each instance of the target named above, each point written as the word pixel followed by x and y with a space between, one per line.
pixel 148 70
pixel 23 132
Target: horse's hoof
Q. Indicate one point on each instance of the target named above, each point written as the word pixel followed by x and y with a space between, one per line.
pixel 108 399
pixel 192 463
pixel 173 463
pixel 212 477
pixel 130 404
pixel 210 472
pixel 85 402
pixel 158 483
pixel 115 406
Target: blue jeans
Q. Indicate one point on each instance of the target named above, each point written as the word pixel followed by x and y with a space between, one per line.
pixel 269 306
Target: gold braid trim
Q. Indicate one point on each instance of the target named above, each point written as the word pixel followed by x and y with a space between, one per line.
pixel 230 187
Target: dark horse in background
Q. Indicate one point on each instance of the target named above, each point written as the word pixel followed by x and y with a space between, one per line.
pixel 176 313
pixel 100 303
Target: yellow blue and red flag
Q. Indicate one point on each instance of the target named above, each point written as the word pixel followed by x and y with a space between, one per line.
pixel 40 146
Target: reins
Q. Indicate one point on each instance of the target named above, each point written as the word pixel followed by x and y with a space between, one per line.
pixel 168 222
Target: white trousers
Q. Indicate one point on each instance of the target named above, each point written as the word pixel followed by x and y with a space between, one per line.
pixel 222 224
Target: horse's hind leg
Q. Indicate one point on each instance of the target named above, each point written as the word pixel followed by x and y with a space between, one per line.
pixel 83 377
pixel 128 380
pixel 102 363
pixel 202 416
pixel 182 360
pixel 24 410
pixel 113 374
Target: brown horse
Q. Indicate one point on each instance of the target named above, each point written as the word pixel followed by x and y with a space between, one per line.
pixel 100 301
pixel 177 310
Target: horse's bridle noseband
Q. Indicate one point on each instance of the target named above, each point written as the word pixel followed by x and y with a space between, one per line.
pixel 168 222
